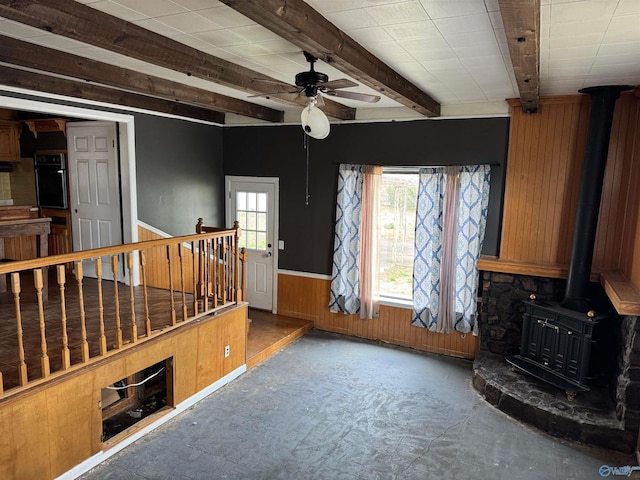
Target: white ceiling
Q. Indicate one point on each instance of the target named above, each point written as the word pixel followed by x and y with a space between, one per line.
pixel 453 50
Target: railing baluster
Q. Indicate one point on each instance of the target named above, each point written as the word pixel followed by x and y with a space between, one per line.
pixel 194 272
pixel 114 271
pixel 216 271
pixel 236 264
pixel 66 357
pixel 171 299
pixel 84 346
pixel 143 274
pixel 213 274
pixel 224 271
pixel 204 253
pixel 132 302
pixel 244 255
pixel 103 339
pixel 184 297
pixel 22 366
pixel 44 358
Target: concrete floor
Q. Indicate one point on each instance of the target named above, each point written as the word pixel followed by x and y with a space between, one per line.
pixel 332 407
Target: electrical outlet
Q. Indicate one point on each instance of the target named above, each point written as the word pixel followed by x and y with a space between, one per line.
pixel 227 351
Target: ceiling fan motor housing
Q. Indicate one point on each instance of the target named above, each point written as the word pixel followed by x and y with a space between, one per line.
pixel 311 79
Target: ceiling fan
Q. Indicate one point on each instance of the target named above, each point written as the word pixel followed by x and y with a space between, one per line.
pixel 313 85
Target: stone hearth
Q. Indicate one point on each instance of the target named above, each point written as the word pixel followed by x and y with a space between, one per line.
pixel 608 415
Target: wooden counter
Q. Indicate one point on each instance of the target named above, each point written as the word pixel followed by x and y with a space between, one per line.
pixel 26 227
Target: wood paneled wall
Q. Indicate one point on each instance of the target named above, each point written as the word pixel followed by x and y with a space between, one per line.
pixel 50 429
pixel 308 298
pixel 156 259
pixel 543 178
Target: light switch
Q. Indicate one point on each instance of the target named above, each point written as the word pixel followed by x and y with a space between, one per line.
pixel 280 244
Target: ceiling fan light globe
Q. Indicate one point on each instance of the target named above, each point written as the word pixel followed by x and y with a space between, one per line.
pixel 314 122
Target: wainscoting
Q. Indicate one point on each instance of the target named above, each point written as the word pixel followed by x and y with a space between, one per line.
pixel 307 297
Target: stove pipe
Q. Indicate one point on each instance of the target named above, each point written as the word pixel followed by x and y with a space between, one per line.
pixel 603 101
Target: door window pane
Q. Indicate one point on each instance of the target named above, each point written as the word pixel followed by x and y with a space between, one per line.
pixel 253 225
pixel 241 200
pixel 262 202
pixel 251 201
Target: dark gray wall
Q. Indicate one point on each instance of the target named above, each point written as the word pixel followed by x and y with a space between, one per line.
pixel 179 174
pixel 269 151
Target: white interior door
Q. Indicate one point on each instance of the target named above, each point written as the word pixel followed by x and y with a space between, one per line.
pixel 94 190
pixel 253 202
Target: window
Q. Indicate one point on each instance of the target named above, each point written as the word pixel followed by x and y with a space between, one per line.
pixel 397 216
pixel 252 217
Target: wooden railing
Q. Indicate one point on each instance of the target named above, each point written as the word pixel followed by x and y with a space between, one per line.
pixel 82 320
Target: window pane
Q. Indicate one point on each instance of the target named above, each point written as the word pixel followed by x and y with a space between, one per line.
pixel 251 221
pixel 262 202
pixel 242 219
pixel 242 239
pixel 251 201
pixel 397 228
pixel 241 200
pixel 262 241
pixel 262 222
pixel 251 240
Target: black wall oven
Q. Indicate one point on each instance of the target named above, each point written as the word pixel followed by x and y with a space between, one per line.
pixel 51 180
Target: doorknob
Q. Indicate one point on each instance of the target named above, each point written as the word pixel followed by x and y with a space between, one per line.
pixel 268 254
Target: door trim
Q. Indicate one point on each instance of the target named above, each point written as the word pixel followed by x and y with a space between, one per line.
pixel 126 140
pixel 275 181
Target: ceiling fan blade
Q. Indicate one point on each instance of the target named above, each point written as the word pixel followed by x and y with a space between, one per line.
pixel 363 97
pixel 340 83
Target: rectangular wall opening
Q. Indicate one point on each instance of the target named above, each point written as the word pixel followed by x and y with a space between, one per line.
pixel 136 397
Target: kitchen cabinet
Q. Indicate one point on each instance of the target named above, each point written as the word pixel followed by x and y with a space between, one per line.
pixel 9 141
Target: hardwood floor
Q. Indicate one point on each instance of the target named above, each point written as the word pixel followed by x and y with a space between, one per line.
pixel 267 334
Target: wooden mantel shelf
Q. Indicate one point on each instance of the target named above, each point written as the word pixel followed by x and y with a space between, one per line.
pixel 494 264
pixel 624 295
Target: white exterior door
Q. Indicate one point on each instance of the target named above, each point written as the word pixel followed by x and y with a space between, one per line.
pixel 253 202
pixel 94 191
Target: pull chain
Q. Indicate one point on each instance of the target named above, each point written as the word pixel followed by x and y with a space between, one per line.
pixel 306 192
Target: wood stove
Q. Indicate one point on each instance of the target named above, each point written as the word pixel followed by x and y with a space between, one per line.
pixel 557 339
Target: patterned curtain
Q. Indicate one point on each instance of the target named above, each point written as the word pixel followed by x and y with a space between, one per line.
pixel 470 192
pixel 345 279
pixel 428 247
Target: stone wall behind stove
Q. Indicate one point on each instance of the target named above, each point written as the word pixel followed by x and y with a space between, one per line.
pixel 500 322
pixel 628 381
pixel 500 326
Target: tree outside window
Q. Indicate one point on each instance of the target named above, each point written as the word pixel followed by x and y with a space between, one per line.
pixel 397 216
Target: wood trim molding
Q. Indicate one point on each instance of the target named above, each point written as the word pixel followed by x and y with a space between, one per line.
pixel 624 295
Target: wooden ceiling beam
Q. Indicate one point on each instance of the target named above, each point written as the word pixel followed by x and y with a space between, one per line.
pixel 29 55
pixel 297 22
pixel 521 19
pixel 14 77
pixel 80 22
